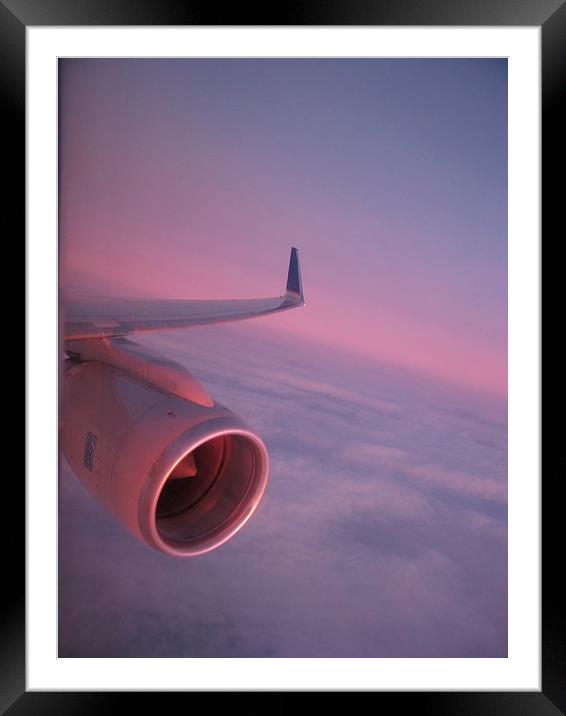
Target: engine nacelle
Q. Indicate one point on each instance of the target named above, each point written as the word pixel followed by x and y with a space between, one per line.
pixel 182 476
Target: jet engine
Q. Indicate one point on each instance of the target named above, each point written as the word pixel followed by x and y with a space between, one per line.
pixel 179 471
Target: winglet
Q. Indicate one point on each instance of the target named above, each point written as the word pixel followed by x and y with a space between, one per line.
pixel 294 283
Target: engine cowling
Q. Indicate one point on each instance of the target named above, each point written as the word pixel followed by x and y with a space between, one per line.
pixel 181 475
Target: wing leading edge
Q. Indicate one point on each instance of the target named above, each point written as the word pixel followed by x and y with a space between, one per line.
pixel 90 317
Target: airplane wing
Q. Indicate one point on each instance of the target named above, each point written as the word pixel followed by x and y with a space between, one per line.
pixel 94 317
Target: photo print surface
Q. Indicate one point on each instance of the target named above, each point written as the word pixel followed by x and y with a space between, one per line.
pixel 381 403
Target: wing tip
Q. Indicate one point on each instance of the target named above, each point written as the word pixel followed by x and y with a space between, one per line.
pixel 294 285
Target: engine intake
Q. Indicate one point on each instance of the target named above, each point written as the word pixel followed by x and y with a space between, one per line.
pixel 207 495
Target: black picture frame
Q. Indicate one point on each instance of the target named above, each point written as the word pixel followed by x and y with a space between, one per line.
pixel 550 15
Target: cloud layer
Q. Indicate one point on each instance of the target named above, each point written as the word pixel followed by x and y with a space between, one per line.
pixel 383 532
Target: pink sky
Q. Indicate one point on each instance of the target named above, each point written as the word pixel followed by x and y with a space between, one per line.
pixel 192 179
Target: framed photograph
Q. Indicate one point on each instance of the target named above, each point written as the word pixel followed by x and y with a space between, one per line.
pixel 344 493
